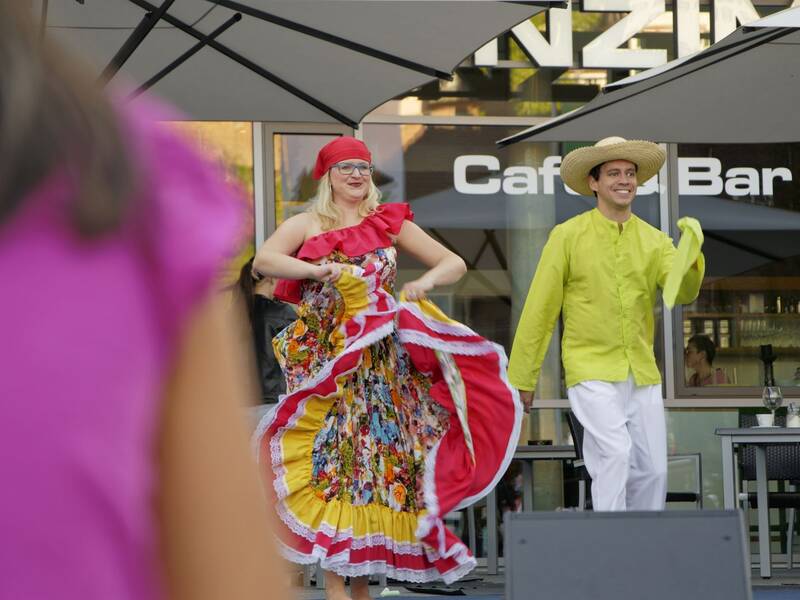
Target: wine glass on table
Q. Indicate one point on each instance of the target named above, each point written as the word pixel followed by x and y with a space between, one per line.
pixel 772 397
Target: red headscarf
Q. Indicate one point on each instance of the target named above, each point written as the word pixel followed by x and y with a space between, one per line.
pixel 338 150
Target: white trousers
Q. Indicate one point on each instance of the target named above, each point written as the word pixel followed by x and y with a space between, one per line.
pixel 624 443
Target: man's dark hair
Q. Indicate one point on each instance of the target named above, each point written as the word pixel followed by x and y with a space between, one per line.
pixel 703 343
pixel 595 174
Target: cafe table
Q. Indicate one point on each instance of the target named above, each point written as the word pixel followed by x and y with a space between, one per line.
pixel 760 438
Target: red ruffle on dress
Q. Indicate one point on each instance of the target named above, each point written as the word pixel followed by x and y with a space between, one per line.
pixel 394 416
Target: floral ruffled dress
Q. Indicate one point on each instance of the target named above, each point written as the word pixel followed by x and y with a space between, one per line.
pixel 394 416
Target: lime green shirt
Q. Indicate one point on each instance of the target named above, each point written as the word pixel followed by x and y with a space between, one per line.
pixel 604 281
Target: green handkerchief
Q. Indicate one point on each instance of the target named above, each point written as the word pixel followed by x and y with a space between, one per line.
pixel 686 256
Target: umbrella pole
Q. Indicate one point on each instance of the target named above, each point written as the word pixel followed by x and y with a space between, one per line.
pixel 144 27
pixel 185 56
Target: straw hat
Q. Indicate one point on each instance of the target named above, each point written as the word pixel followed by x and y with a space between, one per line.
pixel 575 167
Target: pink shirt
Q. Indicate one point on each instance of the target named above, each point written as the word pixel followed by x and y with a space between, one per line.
pixel 89 329
pixel 716 377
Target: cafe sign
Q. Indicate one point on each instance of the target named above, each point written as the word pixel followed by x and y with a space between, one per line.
pixel 480 174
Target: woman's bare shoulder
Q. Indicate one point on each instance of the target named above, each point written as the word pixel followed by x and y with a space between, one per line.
pixel 311 224
pixel 303 223
pixel 298 221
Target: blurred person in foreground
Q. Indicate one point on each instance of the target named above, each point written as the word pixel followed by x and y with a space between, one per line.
pixel 699 357
pixel 126 470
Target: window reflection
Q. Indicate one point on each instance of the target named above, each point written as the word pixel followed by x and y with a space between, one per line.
pixel 294 158
pixel 230 144
pixel 699 356
pixel 748 202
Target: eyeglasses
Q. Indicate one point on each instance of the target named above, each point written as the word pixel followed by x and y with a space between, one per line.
pixel 347 168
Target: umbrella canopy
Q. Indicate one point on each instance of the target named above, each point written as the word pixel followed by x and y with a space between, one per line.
pixel 266 60
pixel 743 89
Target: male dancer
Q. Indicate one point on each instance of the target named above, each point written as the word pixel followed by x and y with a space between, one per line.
pixel 601 270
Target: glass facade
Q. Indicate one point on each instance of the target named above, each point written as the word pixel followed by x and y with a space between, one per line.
pixel 747 200
pixel 294 155
pixel 435 148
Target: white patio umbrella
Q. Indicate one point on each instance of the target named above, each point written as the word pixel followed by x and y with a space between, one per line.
pixel 743 89
pixel 300 60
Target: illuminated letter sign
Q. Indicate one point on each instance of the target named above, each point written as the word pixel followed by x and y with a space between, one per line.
pixel 725 15
pixel 460 183
pixel 699 176
pixel 606 51
pixel 556 51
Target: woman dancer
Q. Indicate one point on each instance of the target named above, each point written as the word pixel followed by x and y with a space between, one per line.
pixel 394 414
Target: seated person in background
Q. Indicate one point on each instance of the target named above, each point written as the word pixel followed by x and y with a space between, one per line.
pixel 266 317
pixel 699 356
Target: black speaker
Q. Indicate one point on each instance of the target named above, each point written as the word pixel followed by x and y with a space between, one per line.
pixel 670 555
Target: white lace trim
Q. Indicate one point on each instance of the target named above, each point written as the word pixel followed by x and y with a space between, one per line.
pixel 337 536
pixel 339 564
pixel 261 428
pixel 406 548
pixel 426 523
pixel 512 439
pixel 432 520
pixel 462 348
pixel 457 329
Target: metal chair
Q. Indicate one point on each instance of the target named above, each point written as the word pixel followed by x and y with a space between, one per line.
pixel 585 481
pixel 783 465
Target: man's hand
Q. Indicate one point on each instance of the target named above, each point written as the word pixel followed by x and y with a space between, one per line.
pixel 526 397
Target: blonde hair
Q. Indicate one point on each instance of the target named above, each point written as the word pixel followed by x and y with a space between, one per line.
pixel 325 209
